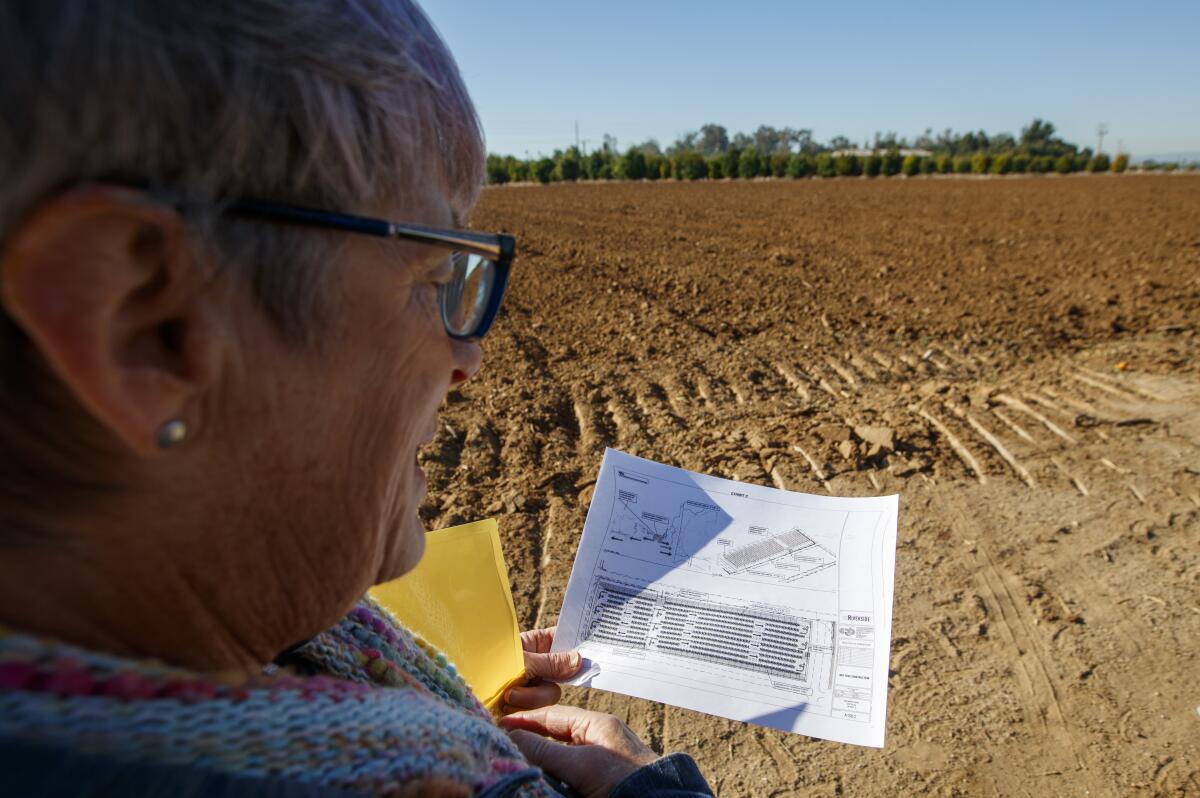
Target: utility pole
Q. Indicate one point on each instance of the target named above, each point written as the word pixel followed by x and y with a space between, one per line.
pixel 576 135
pixel 1101 132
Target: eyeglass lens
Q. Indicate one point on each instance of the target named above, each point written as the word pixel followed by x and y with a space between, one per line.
pixel 465 298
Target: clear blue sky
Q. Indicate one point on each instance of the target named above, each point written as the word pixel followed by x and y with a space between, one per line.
pixel 658 68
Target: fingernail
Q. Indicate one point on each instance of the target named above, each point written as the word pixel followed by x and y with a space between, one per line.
pixel 508 697
pixel 576 660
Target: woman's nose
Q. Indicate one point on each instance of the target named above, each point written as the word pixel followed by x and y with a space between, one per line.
pixel 468 357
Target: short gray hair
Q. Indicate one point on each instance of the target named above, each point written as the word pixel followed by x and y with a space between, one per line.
pixel 333 103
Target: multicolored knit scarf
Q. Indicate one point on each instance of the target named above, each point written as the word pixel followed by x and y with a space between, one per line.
pixel 386 714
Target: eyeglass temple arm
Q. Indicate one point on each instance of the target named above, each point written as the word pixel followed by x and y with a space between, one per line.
pixel 483 244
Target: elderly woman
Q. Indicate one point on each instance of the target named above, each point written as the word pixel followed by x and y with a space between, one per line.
pixel 217 365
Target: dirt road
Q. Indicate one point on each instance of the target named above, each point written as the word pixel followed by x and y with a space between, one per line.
pixel 1032 344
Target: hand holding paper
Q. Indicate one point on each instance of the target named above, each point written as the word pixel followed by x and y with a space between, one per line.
pixel 543 669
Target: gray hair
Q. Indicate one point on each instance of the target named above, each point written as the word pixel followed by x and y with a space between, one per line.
pixel 331 103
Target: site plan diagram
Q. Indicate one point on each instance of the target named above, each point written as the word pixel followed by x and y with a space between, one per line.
pixel 756 604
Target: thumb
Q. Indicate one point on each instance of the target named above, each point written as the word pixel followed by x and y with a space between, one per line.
pixel 554 757
pixel 556 666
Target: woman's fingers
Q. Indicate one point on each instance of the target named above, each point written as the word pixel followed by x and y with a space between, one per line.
pixel 532 696
pixel 560 761
pixel 569 724
pixel 538 641
pixel 556 666
pixel 589 770
pixel 542 669
pixel 582 727
pixel 540 663
pixel 556 721
pixel 537 749
pixel 604 753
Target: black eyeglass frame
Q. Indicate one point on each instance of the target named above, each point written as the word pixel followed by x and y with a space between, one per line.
pixel 498 248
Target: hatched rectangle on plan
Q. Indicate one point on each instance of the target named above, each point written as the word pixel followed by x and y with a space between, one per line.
pixel 855 656
pixel 755 641
pixel 758 640
pixel 621 615
pixel 761 551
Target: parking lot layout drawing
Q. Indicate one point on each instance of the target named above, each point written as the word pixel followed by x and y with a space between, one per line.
pixel 757 604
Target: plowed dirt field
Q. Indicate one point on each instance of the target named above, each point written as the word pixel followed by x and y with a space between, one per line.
pixel 1032 345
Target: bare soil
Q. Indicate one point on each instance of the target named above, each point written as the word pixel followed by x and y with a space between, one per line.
pixel 1031 342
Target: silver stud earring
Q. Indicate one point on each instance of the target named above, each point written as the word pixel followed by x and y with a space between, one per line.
pixel 171 433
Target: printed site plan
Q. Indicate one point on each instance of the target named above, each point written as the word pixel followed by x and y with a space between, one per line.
pixel 756 604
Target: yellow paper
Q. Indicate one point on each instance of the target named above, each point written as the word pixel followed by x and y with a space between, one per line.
pixel 458 598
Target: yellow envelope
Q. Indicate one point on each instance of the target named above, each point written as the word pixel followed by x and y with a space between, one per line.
pixel 458 598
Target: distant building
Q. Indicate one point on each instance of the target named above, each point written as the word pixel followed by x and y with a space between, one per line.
pixel 863 153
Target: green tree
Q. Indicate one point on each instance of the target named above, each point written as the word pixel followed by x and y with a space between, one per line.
pixel 1099 163
pixel 712 139
pixel 543 170
pixel 801 166
pixel 824 166
pixel 1021 162
pixel 654 166
pixel 980 162
pixel 945 164
pixel 928 166
pixel 1120 163
pixel 632 165
pixel 1036 138
pixel 962 164
pixel 715 170
pixel 872 165
pixel 1065 164
pixel 569 165
pixel 1001 164
pixel 690 165
pixel 910 166
pixel 892 162
pixel 847 166
pixel 729 162
pixel 595 162
pixel 518 170
pixel 779 164
pixel 749 164
pixel 497 170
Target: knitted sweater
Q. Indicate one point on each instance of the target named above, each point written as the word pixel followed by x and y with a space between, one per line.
pixel 429 735
pixel 382 714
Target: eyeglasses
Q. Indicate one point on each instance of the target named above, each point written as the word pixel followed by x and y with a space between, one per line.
pixel 481 261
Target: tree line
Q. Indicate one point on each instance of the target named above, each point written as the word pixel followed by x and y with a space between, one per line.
pixel 711 153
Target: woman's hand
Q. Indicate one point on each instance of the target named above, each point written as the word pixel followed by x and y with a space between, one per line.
pixel 540 668
pixel 603 751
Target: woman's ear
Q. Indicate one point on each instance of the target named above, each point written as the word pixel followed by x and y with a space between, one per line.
pixel 106 283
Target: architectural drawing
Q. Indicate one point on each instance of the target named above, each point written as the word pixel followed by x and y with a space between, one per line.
pixel 757 604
